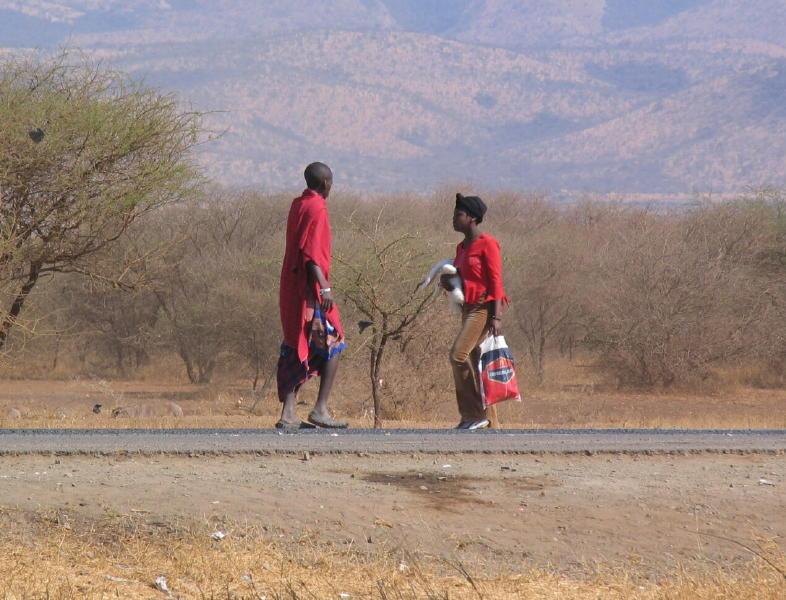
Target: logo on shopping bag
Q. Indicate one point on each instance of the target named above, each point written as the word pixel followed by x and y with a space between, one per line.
pixel 498 365
pixel 500 371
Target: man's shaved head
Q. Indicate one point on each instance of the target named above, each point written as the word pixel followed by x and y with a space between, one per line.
pixel 319 178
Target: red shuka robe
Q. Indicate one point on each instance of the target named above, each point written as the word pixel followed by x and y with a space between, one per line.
pixel 309 239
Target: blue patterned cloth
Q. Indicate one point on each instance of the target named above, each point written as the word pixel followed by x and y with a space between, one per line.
pixel 323 345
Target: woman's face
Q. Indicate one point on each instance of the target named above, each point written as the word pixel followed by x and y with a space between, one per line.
pixel 461 220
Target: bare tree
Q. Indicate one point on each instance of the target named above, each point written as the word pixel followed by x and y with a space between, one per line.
pixel 252 228
pixel 219 288
pixel 378 275
pixel 542 268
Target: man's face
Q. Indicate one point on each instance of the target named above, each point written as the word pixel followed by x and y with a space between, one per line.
pixel 461 220
pixel 328 185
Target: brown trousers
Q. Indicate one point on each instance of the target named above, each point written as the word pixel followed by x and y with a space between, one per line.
pixel 464 357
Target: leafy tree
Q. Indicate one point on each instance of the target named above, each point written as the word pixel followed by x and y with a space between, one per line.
pixel 83 153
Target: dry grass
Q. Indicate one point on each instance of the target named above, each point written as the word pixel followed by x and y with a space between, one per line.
pixel 48 556
pixel 580 403
pixel 573 395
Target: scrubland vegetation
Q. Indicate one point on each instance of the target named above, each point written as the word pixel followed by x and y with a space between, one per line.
pixel 120 264
pixel 643 299
pixel 118 258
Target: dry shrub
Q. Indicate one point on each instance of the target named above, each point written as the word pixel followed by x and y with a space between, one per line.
pixel 674 295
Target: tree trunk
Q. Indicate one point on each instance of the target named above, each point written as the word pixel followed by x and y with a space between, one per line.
pixel 19 302
pixel 192 376
pixel 261 394
pixel 541 358
pixel 119 362
pixel 141 357
pixel 376 383
pixel 256 376
pixel 56 357
pixel 206 371
pixel 83 357
pixel 372 369
pixel 257 365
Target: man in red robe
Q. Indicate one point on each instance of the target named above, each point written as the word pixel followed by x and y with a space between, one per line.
pixel 313 335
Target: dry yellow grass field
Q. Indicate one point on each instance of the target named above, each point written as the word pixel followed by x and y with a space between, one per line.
pixel 45 556
pixel 542 527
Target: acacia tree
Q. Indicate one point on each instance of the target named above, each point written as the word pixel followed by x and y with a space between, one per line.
pixel 115 321
pixel 83 153
pixel 378 276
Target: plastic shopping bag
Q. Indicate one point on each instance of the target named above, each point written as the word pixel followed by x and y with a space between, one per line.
pixel 497 372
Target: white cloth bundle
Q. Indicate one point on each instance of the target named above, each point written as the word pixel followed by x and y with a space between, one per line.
pixel 445 267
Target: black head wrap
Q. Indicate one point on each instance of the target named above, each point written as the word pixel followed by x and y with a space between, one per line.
pixel 472 205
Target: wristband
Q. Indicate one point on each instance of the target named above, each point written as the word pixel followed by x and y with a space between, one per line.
pixel 323 290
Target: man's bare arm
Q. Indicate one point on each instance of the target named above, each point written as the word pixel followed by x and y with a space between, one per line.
pixel 326 294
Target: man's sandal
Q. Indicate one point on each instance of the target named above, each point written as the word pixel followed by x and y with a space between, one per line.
pixel 288 426
pixel 326 422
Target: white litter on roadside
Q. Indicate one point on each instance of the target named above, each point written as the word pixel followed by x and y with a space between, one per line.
pixel 446 466
pixel 218 535
pixel 766 482
pixel 161 585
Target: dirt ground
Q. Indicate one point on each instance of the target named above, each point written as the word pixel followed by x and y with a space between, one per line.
pixel 490 512
pixel 70 403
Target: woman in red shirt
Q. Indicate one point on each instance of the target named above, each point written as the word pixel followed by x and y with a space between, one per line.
pixel 479 263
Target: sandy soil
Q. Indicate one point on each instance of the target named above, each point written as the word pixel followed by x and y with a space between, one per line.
pixel 491 511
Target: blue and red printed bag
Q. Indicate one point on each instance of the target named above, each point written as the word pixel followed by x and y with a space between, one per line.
pixel 497 372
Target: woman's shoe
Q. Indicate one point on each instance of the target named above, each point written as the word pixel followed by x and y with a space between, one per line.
pixel 476 425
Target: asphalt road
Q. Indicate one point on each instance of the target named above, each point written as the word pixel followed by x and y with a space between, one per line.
pixel 251 441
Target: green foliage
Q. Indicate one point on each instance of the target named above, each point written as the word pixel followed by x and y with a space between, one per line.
pixel 83 153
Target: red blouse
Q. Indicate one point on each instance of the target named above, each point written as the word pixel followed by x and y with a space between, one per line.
pixel 480 268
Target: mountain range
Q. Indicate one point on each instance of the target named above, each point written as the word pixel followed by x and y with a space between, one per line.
pixel 630 97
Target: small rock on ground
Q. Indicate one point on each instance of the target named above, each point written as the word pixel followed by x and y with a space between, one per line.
pixel 174 409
